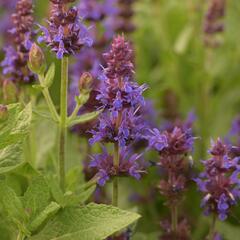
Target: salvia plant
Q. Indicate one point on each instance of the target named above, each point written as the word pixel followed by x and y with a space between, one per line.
pixel 119 120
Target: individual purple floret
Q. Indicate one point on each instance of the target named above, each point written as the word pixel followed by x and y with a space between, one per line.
pixel 16 57
pixel 65 34
pixel 219 182
pixel 129 165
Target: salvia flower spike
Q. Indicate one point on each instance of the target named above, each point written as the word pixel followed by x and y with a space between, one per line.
pixel 16 57
pixel 121 122
pixel 219 182
pixel 65 34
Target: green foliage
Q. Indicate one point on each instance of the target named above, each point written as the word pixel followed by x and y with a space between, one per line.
pixel 71 198
pixel 91 222
pixel 37 196
pixel 48 80
pixel 13 132
pixel 84 118
pixel 44 216
pixel 12 204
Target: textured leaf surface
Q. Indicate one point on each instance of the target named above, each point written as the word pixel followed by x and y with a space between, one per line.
pixel 46 133
pixel 10 157
pixel 11 203
pixel 56 191
pixel 37 196
pixel 16 127
pixel 91 222
pixel 12 134
pixel 44 216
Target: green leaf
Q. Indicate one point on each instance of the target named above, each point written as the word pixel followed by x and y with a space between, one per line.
pixel 37 196
pixel 91 222
pixel 70 198
pixel 84 118
pixel 16 127
pixel 56 191
pixel 11 157
pixel 44 216
pixel 48 80
pixel 76 198
pixel 86 194
pixel 46 134
pixel 12 204
pixel 12 134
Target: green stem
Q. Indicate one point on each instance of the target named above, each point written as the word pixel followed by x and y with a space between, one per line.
pixel 20 236
pixel 174 218
pixel 115 180
pixel 212 228
pixel 74 113
pixel 49 101
pixel 63 122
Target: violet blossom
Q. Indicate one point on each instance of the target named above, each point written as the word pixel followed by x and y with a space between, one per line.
pixel 173 147
pixel 219 182
pixel 66 34
pixel 121 97
pixel 16 56
pixel 120 122
pixel 129 165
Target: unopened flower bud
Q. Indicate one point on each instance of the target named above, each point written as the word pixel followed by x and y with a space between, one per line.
pixel 9 92
pixel 37 63
pixel 3 113
pixel 85 83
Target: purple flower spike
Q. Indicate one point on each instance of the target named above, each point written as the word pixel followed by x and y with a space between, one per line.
pixel 16 57
pixel 121 98
pixel 66 34
pixel 130 165
pixel 219 182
